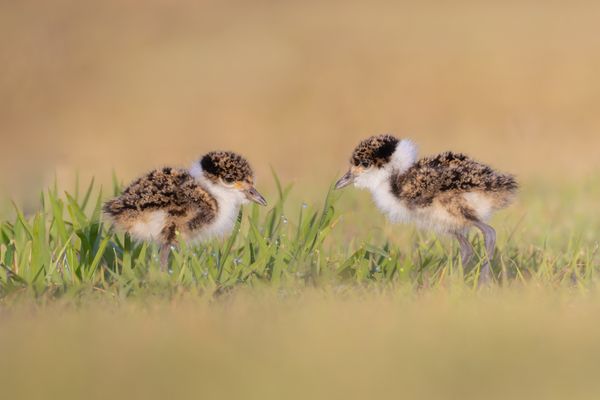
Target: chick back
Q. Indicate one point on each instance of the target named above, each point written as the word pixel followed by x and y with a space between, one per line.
pixel 160 203
pixel 451 173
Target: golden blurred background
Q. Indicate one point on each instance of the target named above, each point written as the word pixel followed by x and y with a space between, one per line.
pixel 121 85
pixel 94 86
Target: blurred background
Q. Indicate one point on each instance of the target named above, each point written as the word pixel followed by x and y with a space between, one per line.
pixel 121 85
pixel 93 87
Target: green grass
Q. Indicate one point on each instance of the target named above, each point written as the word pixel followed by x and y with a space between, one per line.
pixel 65 248
pixel 302 301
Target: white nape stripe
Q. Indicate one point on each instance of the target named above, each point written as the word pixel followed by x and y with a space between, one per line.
pixel 196 170
pixel 405 155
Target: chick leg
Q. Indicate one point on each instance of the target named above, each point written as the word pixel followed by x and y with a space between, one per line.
pixel 165 251
pixel 168 237
pixel 466 250
pixel 489 237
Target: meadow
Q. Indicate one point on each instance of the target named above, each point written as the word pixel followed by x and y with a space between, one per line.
pixel 66 249
pixel 315 296
pixel 299 303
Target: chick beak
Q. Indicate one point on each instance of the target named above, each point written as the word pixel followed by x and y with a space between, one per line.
pixel 253 195
pixel 345 180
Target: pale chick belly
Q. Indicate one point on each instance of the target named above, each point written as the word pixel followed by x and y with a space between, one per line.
pixel 481 203
pixel 437 217
pixel 148 226
pixel 219 228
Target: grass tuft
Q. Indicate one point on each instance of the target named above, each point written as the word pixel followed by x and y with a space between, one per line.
pixel 66 248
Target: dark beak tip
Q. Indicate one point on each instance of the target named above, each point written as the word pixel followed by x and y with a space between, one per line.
pixel 253 195
pixel 344 181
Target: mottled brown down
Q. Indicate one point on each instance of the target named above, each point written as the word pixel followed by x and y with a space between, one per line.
pixel 445 176
pixel 187 205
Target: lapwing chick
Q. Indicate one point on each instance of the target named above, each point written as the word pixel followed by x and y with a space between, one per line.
pixel 196 204
pixel 449 193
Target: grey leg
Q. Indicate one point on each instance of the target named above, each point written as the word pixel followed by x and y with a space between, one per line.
pixel 165 250
pixel 466 250
pixel 489 237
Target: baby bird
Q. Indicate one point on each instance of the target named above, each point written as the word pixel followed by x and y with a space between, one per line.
pixel 448 193
pixel 198 203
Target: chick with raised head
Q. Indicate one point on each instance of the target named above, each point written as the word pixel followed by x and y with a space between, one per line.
pixel 449 193
pixel 196 204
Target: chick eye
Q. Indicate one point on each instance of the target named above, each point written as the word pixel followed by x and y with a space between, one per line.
pixel 228 180
pixel 364 164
